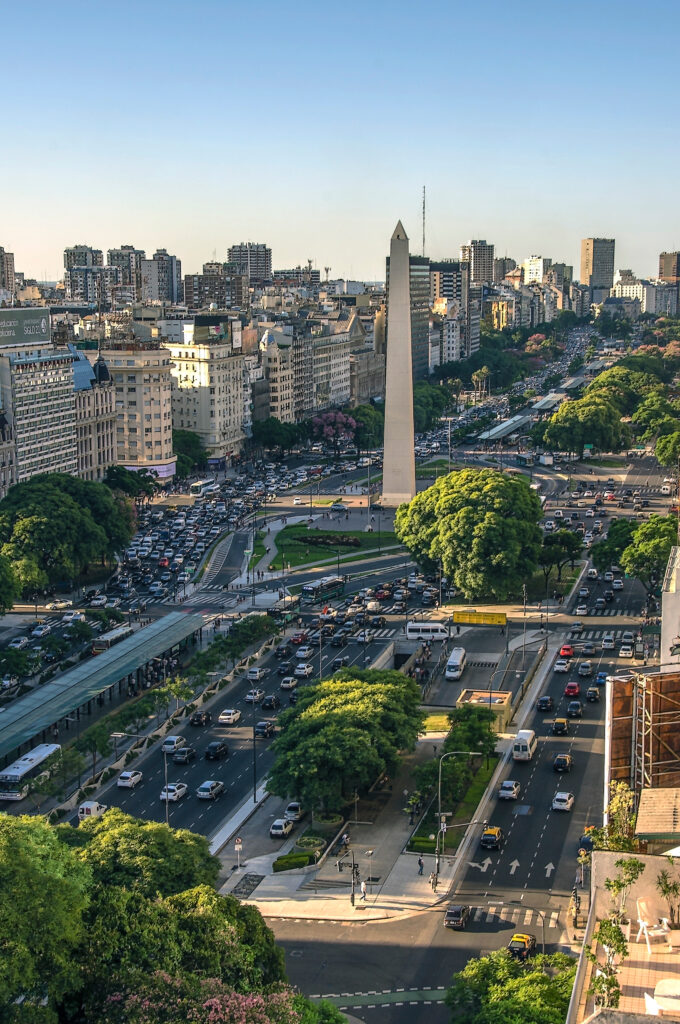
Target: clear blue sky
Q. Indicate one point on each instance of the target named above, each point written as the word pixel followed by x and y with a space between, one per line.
pixel 313 127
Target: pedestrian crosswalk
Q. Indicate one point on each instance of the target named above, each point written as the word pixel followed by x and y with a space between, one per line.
pixel 597 634
pixel 517 916
pixel 612 611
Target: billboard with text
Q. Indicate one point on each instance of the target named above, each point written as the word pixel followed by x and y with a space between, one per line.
pixel 27 325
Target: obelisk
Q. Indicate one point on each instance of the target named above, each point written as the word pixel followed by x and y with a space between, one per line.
pixel 399 464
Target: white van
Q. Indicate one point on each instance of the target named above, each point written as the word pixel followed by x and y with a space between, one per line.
pixel 666 489
pixel 524 745
pixel 455 666
pixel 173 743
pixel 91 809
pixel 426 631
pixel 558 513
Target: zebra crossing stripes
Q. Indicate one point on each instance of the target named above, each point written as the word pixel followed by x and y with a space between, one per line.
pixel 519 916
pixel 611 612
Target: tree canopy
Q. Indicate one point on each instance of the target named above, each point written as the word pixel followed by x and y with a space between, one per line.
pixel 594 419
pixel 483 527
pixel 191 455
pixel 646 556
pixel 608 552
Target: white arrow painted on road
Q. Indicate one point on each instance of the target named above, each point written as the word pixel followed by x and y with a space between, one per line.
pixel 483 866
pixel 549 868
pixel 513 866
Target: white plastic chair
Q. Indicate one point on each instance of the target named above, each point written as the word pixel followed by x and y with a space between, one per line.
pixel 651 927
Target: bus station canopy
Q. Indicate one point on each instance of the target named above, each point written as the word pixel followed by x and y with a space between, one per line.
pixel 30 715
pixel 507 427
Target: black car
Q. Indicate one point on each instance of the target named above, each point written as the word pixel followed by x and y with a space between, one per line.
pixel 293 697
pixel 378 621
pixel 270 703
pixel 200 718
pixel 285 668
pixel 339 639
pixel 184 755
pixel 283 651
pixel 545 703
pixel 575 709
pixel 264 729
pixel 340 662
pixel 216 750
pixel 457 916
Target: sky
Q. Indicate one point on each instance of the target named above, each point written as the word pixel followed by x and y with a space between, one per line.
pixel 314 127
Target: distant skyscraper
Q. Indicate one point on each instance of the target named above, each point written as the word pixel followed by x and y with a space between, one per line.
pixel 129 262
pixel 162 278
pixel 535 268
pixel 669 268
pixel 502 266
pixel 479 254
pixel 597 262
pixel 82 256
pixel 253 259
pixel 7 276
pixel 399 473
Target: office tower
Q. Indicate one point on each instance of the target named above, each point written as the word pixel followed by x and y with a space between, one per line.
pixel 502 266
pixel 669 271
pixel 597 262
pixel 129 262
pixel 399 473
pixel 7 276
pixel 479 254
pixel 82 256
pixel 162 278
pixel 419 273
pixel 253 259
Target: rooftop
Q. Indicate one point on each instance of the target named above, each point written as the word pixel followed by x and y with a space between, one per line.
pixel 659 814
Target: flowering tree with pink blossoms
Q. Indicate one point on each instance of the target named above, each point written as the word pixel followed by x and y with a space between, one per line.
pixel 334 426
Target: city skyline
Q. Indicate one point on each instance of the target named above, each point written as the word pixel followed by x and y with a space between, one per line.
pixel 524 152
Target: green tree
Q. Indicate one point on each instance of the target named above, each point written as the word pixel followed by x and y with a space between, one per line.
pixel 370 426
pixel 498 989
pixel 646 557
pixel 191 455
pixel 8 585
pixel 483 527
pixel 608 552
pixel 559 549
pixel 64 767
pixel 604 983
pixel 96 742
pixel 667 449
pixel 619 832
pixel 44 893
pixel 136 485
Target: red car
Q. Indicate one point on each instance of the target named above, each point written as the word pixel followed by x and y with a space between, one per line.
pixel 566 651
pixel 572 690
pixel 301 638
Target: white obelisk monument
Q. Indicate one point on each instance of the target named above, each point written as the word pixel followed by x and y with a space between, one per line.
pixel 399 464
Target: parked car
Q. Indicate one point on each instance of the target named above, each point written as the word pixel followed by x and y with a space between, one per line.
pixel 294 811
pixel 280 828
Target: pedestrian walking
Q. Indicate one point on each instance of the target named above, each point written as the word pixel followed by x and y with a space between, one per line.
pixel 363 890
pixel 421 865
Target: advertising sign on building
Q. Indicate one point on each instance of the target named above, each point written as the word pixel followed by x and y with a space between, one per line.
pixel 25 326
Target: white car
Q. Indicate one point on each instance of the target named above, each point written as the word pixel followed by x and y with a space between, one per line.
pixel 297 500
pixel 608 643
pixel 18 643
pixel 303 670
pixel 230 716
pixel 617 585
pixel 563 801
pixel 626 651
pixel 41 631
pixel 509 790
pixel 288 683
pixel 98 602
pixel 174 791
pixel 581 609
pixel 128 780
pixel 280 828
pixel 254 696
pixel 73 617
pixel 561 666
pixel 57 605
pixel 627 637
pixel 608 576
pixel 303 653
pixel 590 514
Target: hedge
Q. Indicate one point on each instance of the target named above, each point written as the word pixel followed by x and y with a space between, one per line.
pixel 293 860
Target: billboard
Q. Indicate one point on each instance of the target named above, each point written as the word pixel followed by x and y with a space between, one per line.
pixel 25 326
pixel 480 618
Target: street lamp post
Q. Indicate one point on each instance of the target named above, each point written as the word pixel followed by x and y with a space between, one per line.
pixel 449 753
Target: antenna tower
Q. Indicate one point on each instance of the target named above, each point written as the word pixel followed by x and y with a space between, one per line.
pixel 423 220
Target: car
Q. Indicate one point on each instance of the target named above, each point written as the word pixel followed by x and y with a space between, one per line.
pixel 216 751
pixel 592 573
pixel 491 838
pixel 585 669
pixel 288 683
pixel 340 662
pixel 18 643
pixel 210 790
pixel 294 811
pixel 563 762
pixel 566 651
pixel 575 709
pixel 572 689
pixel 562 801
pixel 581 609
pixel 627 637
pixel 303 670
pixel 185 755
pixel 457 916
pixel 230 716
pixel 509 790
pixel 522 945
pixel 626 651
pixel 299 638
pixel 255 674
pixel 200 718
pixel 588 647
pixel 601 678
pixel 364 636
pixel 560 727
pixel 264 729
pixel 608 643
pixel 128 780
pixel 617 584
pixel 608 576
pixel 285 668
pixel 338 506
pixel 584 592
pixel 174 791
pixel 545 703
pixel 297 500
pixel 378 621
pixel 280 828
pixel 254 696
pixel 99 601
pixel 55 606
pixel 41 631
pixel 561 665
pixel 270 703
pixel 608 596
pixel 592 695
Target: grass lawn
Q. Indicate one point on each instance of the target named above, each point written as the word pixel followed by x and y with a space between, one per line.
pixel 463 813
pixel 436 723
pixel 259 549
pixel 439 467
pixel 296 545
pixel 536 587
pixel 608 461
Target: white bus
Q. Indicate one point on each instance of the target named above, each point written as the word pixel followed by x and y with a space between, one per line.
pixel 455 666
pixel 426 631
pixel 203 487
pixel 14 779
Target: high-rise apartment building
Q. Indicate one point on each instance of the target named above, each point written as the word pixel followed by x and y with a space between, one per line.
pixel 94 285
pixel 502 266
pixel 450 280
pixel 219 284
pixel 162 278
pixel 129 262
pixel 95 412
pixel 7 275
pixel 535 269
pixel 253 259
pixel 669 269
pixel 419 277
pixel 82 256
pixel 480 255
pixel 276 350
pixel 597 262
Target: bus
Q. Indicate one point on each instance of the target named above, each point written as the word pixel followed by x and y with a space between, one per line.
pixel 286 608
pixel 323 590
pixel 15 778
pixel 455 666
pixel 110 639
pixel 203 487
pixel 426 631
